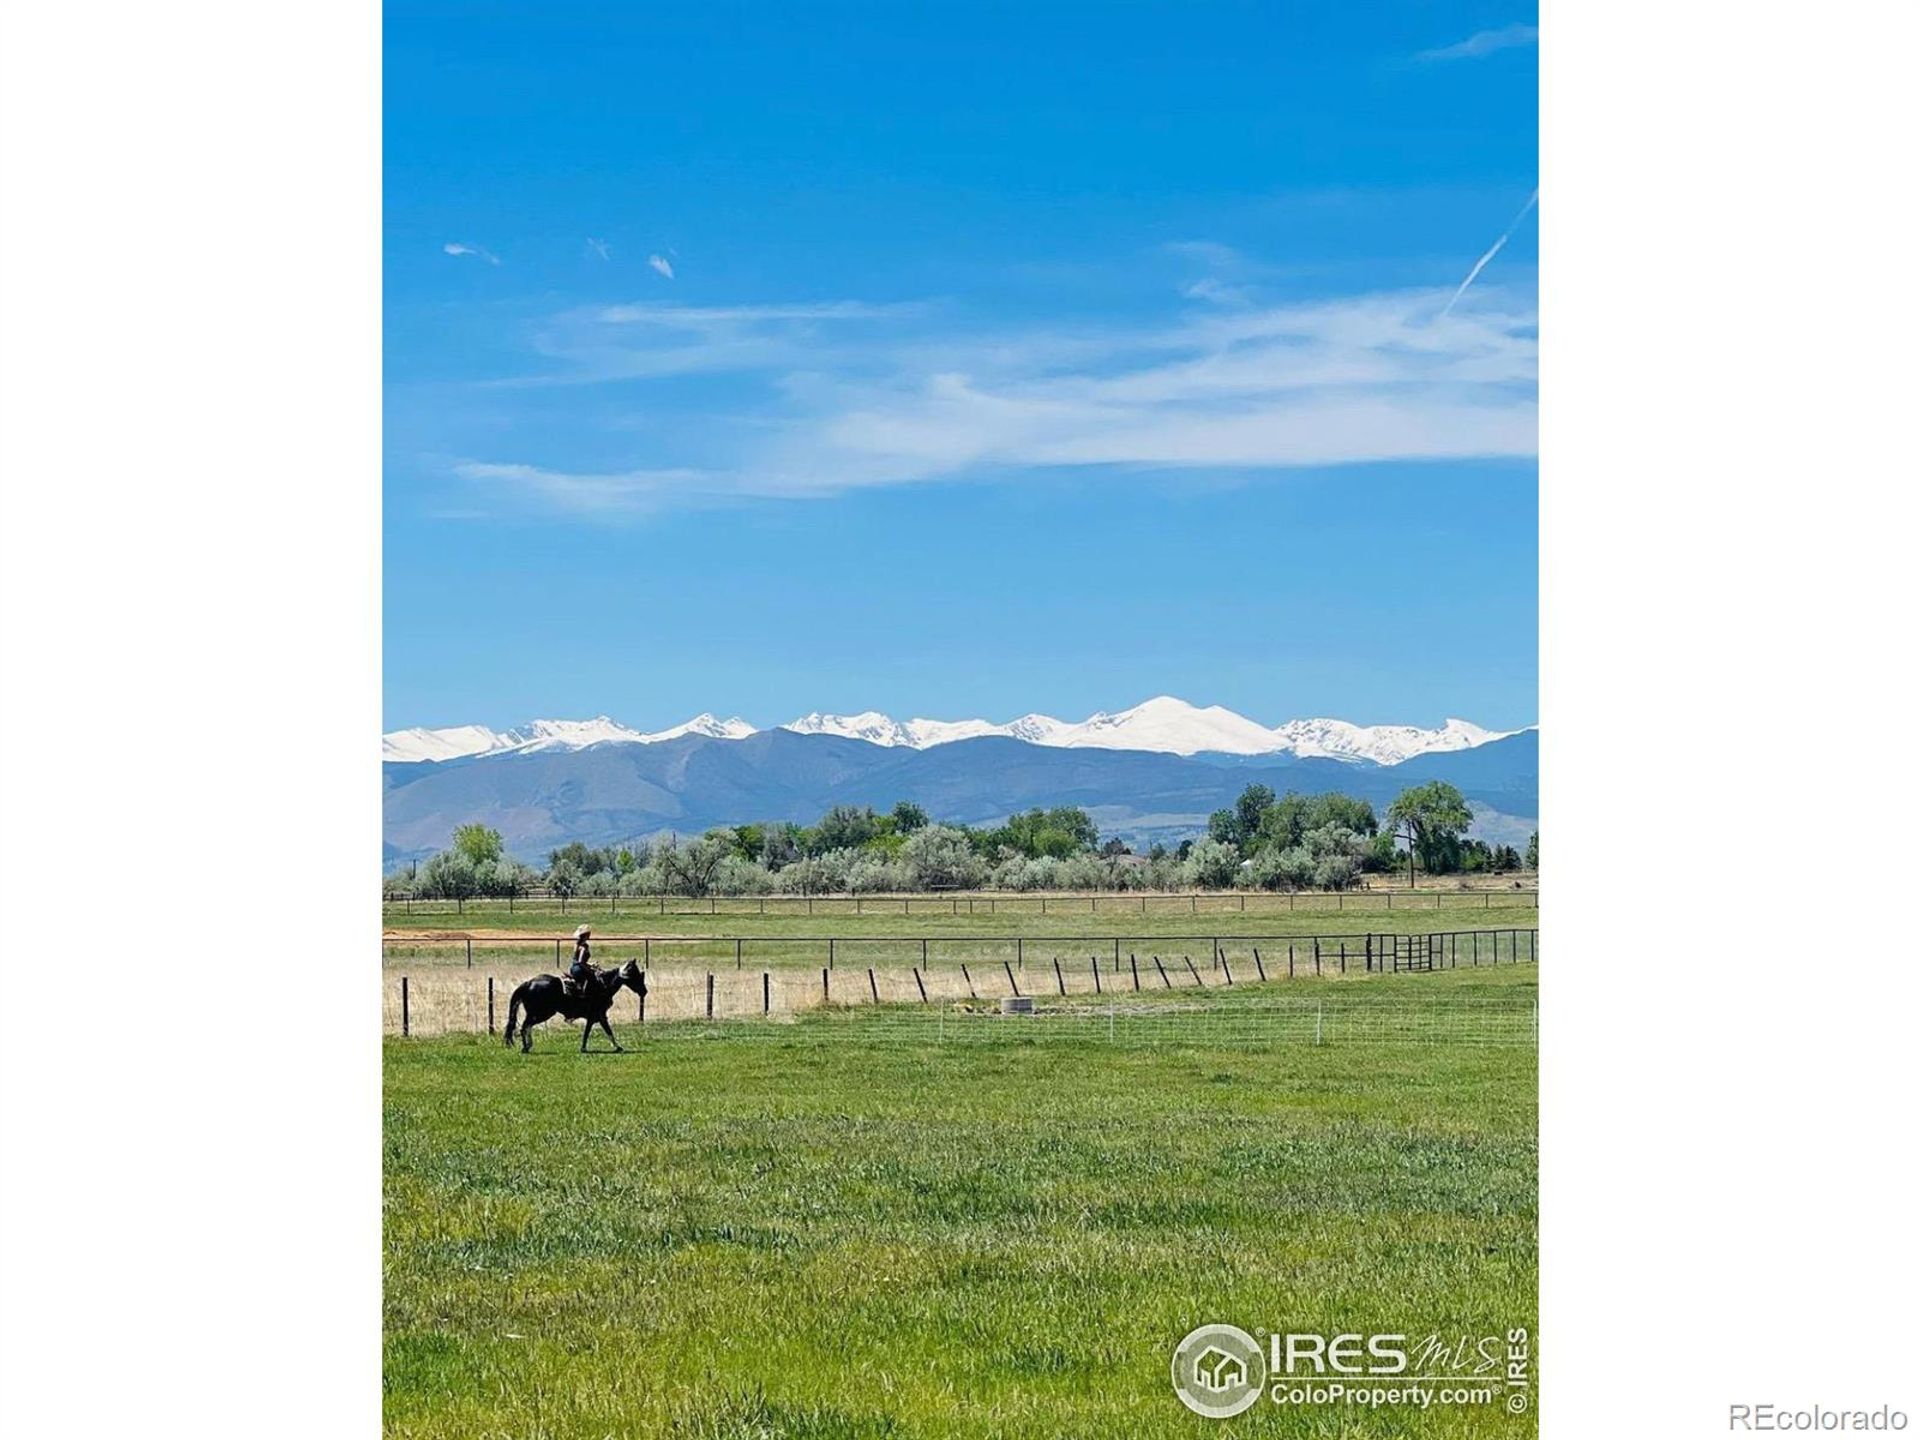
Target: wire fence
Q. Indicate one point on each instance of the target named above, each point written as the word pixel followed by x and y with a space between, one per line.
pixel 1492 1021
pixel 453 998
pixel 1262 955
pixel 1491 896
pixel 1237 1026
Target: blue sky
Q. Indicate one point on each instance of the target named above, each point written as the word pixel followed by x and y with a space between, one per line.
pixel 958 360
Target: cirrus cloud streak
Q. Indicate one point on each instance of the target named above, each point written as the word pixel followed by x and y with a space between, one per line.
pixel 829 398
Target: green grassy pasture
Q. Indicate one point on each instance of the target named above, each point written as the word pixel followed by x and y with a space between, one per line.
pixel 640 916
pixel 862 1224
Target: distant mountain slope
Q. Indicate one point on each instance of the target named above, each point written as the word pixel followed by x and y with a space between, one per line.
pixel 1163 725
pixel 542 797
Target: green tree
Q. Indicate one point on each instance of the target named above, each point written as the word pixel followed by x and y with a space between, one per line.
pixel 477 844
pixel 1212 864
pixel 1532 860
pixel 1223 827
pixel 941 857
pixel 1248 811
pixel 690 868
pixel 908 817
pixel 844 827
pixel 1431 818
pixel 783 845
pixel 581 859
pixel 448 875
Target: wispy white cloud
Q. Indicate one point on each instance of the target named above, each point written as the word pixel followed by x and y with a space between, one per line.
pixel 1493 250
pixel 599 248
pixel 633 491
pixel 1216 290
pixel 454 247
pixel 661 264
pixel 1484 42
pixel 857 395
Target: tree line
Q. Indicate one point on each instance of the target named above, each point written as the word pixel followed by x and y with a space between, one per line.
pixel 1262 841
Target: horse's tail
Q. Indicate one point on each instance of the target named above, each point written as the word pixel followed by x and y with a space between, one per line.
pixel 513 1010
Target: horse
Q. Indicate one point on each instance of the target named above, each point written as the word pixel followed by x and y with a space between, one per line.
pixel 545 996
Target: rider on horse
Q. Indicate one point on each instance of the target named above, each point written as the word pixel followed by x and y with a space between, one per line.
pixel 581 971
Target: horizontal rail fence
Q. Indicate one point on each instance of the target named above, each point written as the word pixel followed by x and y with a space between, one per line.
pixel 980 903
pixel 465 985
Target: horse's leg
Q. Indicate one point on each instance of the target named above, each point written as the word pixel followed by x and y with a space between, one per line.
pixel 609 1029
pixel 586 1030
pixel 526 1036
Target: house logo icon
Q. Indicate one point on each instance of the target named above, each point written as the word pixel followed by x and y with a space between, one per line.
pixel 1218 1371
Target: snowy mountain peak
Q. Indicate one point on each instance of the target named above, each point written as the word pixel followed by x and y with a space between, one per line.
pixel 705 723
pixel 1171 726
pixel 869 725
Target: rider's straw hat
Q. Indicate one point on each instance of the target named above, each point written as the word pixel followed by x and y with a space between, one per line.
pixel 583 932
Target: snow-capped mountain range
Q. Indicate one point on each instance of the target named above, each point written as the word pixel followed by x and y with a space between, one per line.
pixel 1163 725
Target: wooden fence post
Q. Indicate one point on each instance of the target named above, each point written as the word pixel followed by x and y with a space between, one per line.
pixel 1164 981
pixel 1259 964
pixel 1225 968
pixel 873 985
pixel 1289 959
pixel 1193 972
pixel 1343 957
pixel 826 990
pixel 709 994
pixel 1316 955
pixel 469 953
pixel 736 953
pixel 1134 965
pixel 969 979
pixel 1012 983
pixel 766 992
pixel 489 1004
pixel 921 984
pixel 1095 959
pixel 1059 979
pixel 406 1021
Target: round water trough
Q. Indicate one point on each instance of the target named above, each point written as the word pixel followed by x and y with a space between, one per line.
pixel 1016 1005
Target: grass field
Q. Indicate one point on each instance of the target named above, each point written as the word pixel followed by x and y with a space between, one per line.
pixel 853 1226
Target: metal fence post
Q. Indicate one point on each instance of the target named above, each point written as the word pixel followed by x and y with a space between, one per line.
pixel 489 1004
pixel 406 1024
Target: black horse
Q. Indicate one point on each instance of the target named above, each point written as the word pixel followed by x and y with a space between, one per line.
pixel 545 996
